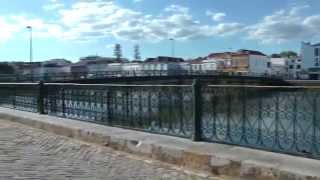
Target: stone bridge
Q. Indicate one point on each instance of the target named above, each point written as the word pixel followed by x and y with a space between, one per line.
pixel 43 147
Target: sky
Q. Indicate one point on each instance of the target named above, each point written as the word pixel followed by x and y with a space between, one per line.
pixel 76 28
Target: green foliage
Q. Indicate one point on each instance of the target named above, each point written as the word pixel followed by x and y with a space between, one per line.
pixel 275 55
pixel 288 54
pixel 137 55
pixel 117 52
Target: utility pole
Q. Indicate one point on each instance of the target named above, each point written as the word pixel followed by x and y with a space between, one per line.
pixel 172 46
pixel 31 53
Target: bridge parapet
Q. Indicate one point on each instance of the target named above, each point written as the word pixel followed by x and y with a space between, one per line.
pixel 272 118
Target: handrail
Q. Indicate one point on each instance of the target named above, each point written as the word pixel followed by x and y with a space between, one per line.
pixel 256 86
pixel 117 85
pixel 165 85
pixel 19 83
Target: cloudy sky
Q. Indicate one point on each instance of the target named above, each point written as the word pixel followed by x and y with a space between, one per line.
pixel 75 28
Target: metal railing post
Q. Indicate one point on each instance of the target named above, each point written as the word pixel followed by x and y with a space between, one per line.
pixel 109 104
pixel 63 102
pixel 41 94
pixel 14 91
pixel 197 110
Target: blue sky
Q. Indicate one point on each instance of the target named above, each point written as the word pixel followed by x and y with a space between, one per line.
pixel 75 28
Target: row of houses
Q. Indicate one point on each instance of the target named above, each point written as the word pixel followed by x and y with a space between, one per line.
pixel 241 62
pixel 244 62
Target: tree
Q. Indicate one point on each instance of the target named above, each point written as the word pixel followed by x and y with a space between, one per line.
pixel 288 54
pixel 275 56
pixel 117 52
pixel 137 55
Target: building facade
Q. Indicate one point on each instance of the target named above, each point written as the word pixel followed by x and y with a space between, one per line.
pixel 310 57
pixel 242 62
pixel 295 68
pixel 279 67
pixel 162 65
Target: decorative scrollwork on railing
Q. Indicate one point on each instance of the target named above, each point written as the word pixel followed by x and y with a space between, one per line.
pixel 158 109
pixel 22 97
pixel 282 120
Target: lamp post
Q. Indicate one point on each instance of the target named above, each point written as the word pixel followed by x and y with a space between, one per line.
pixel 31 53
pixel 172 46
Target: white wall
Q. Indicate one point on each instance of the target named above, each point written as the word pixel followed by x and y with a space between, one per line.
pixel 209 66
pixel 258 64
pixel 279 67
pixel 114 67
pixel 185 66
pixel 307 56
pixel 294 71
pixel 132 67
pixel 97 67
pixel 196 67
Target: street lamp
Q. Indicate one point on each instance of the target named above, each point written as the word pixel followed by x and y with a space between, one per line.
pixel 172 46
pixel 31 53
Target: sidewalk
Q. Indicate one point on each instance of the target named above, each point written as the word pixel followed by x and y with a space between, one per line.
pixel 217 159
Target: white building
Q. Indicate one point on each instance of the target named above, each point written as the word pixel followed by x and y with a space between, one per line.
pixel 244 62
pixel 97 66
pixel 162 66
pixel 133 68
pixel 204 66
pixel 196 66
pixel 310 56
pixel 295 68
pixel 258 64
pixel 279 67
pixel 185 67
pixel 57 68
pixel 209 65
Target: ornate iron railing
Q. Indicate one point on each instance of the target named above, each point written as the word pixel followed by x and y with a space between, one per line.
pixel 159 109
pixel 20 96
pixel 280 119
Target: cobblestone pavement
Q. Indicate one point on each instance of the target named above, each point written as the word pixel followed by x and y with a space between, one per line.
pixel 27 153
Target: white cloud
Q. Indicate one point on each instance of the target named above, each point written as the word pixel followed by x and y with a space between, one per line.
pixel 51 7
pixel 7 30
pixel 89 20
pixel 40 28
pixel 15 25
pixel 216 16
pixel 110 46
pixel 285 25
pixel 177 9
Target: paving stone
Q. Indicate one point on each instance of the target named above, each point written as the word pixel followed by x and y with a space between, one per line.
pixel 27 153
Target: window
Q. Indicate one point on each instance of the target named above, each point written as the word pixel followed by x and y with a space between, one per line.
pixel 316 60
pixel 269 64
pixel 316 51
pixel 298 66
pixel 291 67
